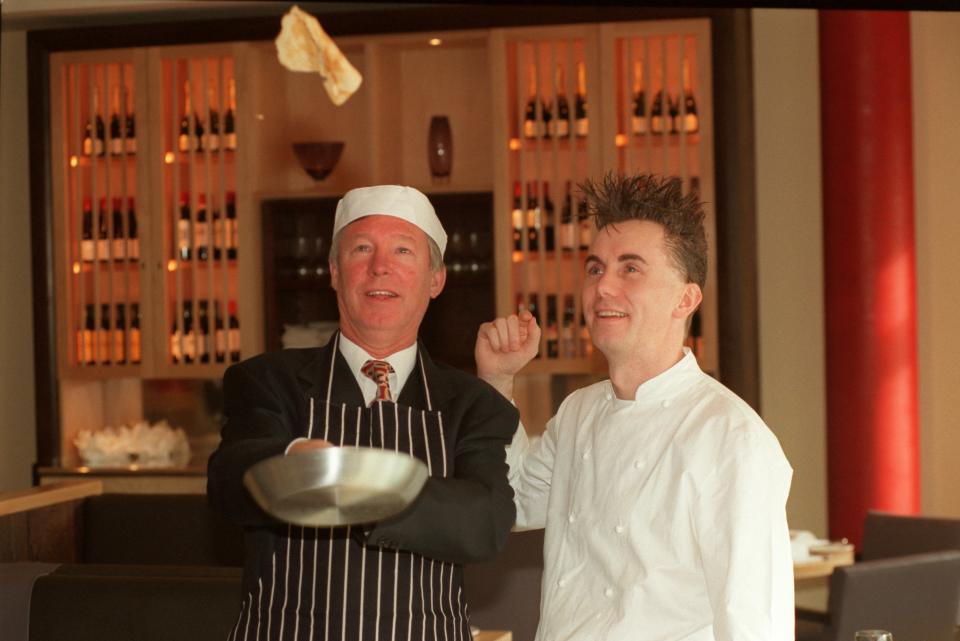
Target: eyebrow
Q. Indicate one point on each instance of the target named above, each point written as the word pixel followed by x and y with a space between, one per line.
pixel 622 258
pixel 400 236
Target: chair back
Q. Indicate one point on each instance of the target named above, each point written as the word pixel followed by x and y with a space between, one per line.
pixel 891 535
pixel 158 529
pixel 88 602
pixel 504 593
pixel 914 597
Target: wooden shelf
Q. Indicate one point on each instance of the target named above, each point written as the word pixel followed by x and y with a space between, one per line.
pixel 103 265
pixel 99 372
pixel 36 498
pixel 579 143
pixel 658 141
pixel 197 157
pixel 87 161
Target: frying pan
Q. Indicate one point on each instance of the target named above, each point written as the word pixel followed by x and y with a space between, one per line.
pixel 336 485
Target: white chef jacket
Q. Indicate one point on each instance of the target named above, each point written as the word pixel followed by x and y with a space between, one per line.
pixel 665 515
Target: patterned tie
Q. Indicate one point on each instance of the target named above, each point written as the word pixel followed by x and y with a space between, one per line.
pixel 378 371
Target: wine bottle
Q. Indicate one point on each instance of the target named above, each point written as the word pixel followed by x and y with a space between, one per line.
pixel 186 141
pixel 549 223
pixel 130 142
pixel 219 334
pixel 94 133
pixel 638 122
pixel 184 233
pixel 87 334
pixel 119 242
pixel 568 339
pixel 229 131
pixel 213 122
pixel 120 336
pixel 551 333
pixel 103 235
pixel 219 233
pixel 189 333
pixel 87 249
pixel 135 333
pixel 203 334
pixel 674 105
pixel 201 229
pixel 584 225
pixel 546 116
pixel 516 217
pixel 103 336
pixel 533 218
pixel 586 345
pixel 133 240
pixel 116 129
pixel 534 310
pixel 233 333
pixel 580 104
pixel 532 123
pixel 568 230
pixel 232 228
pixel 561 125
pixel 691 121
pixel 176 338
pixel 656 107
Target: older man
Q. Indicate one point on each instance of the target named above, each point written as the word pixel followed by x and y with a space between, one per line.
pixel 373 385
pixel 662 493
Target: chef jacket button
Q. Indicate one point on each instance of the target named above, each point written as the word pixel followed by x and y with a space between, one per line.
pixel 609 396
pixel 608 592
pixel 637 464
pixel 585 456
pixel 666 402
pixel 572 518
pixel 619 529
pixel 561 583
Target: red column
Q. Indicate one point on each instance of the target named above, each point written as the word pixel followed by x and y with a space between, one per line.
pixel 868 233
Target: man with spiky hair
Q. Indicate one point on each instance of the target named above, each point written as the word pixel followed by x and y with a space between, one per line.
pixel 663 494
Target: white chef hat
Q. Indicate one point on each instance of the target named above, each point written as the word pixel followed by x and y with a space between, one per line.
pixel 405 203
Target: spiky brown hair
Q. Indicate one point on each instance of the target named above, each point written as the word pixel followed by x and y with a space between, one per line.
pixel 617 198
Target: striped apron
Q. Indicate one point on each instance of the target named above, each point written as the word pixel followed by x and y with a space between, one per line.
pixel 321 584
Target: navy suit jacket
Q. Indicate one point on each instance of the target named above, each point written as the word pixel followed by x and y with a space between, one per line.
pixel 462 518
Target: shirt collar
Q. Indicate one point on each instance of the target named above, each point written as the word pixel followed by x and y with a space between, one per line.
pixel 668 382
pixel 402 362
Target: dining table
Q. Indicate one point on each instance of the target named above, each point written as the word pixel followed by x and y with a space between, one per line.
pixel 822 565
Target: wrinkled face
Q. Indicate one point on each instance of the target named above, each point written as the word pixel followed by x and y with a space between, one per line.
pixel 383 281
pixel 635 300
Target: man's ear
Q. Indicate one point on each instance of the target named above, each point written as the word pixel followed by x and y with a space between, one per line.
pixel 334 275
pixel 689 300
pixel 437 280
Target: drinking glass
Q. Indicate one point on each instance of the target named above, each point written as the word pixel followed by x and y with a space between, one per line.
pixel 872 635
pixel 320 266
pixel 455 252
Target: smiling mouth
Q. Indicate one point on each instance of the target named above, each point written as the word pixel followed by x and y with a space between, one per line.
pixel 610 314
pixel 381 293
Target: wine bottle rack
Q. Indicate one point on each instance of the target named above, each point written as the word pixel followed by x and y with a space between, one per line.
pixel 101 221
pixel 199 142
pixel 147 214
pixel 625 97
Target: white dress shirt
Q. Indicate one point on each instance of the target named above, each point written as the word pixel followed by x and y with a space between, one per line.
pixel 402 363
pixel 665 515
